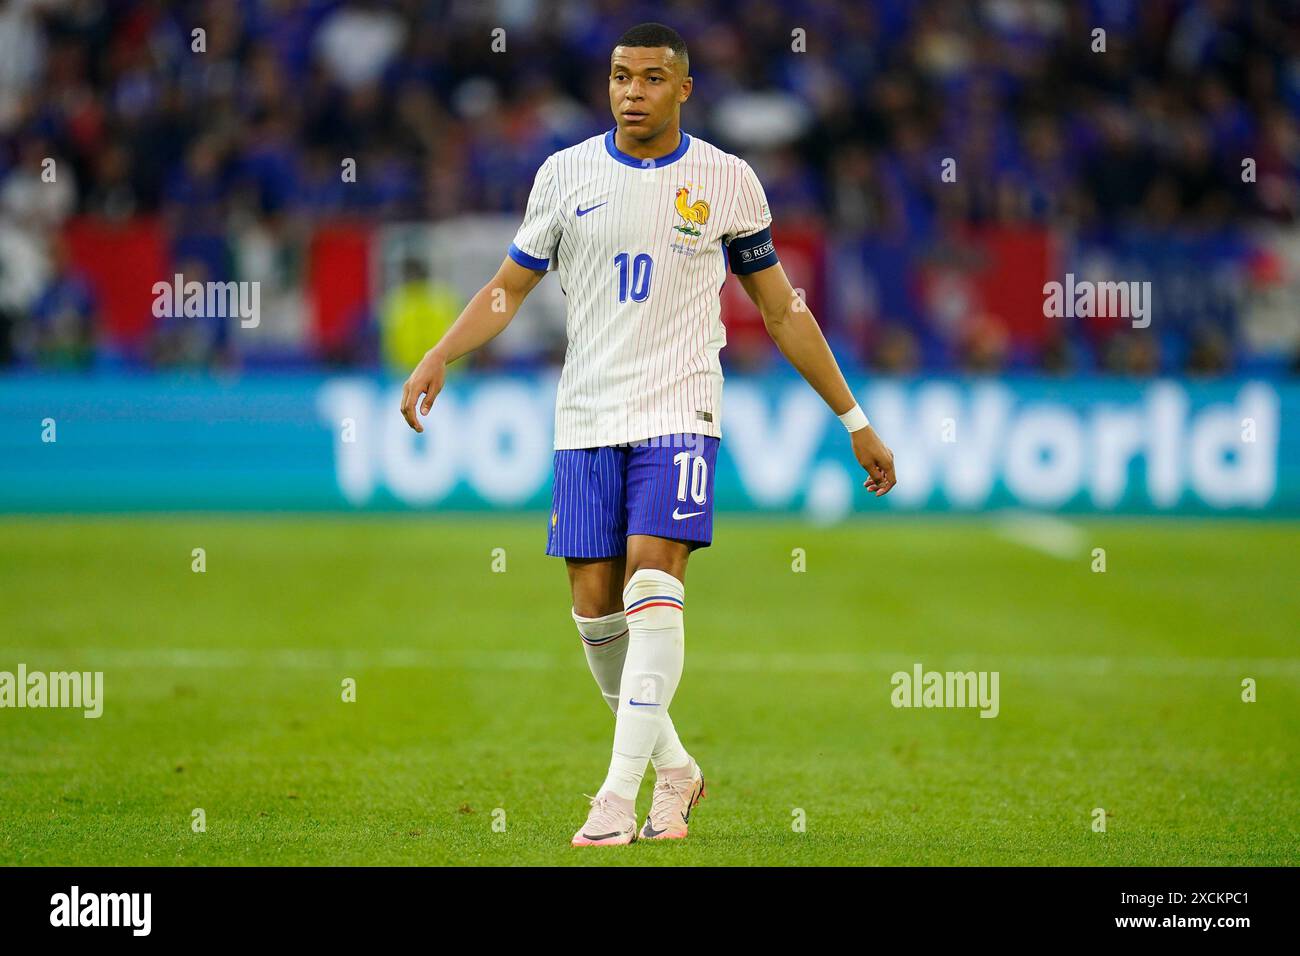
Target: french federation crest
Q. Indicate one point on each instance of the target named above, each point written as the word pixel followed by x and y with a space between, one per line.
pixel 693 215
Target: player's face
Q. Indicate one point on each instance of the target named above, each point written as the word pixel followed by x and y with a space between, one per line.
pixel 647 85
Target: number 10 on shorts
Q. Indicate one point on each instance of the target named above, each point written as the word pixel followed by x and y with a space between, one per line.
pixel 697 471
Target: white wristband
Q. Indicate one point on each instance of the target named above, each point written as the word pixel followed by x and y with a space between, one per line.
pixel 854 419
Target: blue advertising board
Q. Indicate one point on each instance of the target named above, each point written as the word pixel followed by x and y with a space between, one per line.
pixel 312 443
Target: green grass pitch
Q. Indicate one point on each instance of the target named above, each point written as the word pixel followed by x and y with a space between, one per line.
pixel 1118 690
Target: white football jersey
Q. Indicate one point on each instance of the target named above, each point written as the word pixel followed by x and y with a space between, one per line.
pixel 639 248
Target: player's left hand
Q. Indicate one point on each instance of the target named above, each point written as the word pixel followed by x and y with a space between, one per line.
pixel 873 456
pixel 426 380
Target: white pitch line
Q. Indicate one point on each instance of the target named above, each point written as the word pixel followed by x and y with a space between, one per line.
pixel 1044 533
pixel 413 658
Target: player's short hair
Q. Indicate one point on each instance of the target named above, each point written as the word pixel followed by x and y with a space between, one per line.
pixel 657 35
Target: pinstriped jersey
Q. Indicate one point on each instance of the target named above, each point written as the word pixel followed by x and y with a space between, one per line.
pixel 641 248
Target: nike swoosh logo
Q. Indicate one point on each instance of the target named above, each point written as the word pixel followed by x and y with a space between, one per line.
pixel 693 514
pixel 582 212
pixel 636 703
pixel 695 798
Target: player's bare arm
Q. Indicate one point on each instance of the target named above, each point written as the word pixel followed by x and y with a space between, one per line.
pixel 487 314
pixel 795 331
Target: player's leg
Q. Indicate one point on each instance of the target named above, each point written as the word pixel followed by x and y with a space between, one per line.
pixel 597 588
pixel 669 490
pixel 655 597
pixel 589 530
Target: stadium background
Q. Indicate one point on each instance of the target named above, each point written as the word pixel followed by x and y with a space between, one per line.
pixel 366 164
pixel 226 163
pixel 233 163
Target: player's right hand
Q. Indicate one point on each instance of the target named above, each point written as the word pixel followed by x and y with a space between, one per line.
pixel 875 458
pixel 426 380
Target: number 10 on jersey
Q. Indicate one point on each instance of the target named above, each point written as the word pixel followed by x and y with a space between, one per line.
pixel 698 470
pixel 639 286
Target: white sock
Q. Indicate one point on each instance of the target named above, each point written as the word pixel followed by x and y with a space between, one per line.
pixel 604 641
pixel 652 602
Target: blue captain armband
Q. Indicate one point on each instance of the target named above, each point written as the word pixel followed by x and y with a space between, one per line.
pixel 752 253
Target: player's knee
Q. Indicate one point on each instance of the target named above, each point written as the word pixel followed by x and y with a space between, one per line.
pixel 653 570
pixel 661 555
pixel 592 606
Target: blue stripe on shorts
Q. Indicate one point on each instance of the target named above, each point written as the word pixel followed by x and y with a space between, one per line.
pixel 588 505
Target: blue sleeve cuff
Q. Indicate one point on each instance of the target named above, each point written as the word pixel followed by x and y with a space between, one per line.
pixel 752 253
pixel 527 261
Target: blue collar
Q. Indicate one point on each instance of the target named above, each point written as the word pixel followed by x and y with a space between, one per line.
pixel 627 160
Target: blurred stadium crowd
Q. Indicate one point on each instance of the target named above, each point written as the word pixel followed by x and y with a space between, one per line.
pixel 1125 164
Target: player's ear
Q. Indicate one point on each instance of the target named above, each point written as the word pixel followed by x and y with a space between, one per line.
pixel 688 84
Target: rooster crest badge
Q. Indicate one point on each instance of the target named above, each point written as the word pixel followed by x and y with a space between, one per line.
pixel 694 214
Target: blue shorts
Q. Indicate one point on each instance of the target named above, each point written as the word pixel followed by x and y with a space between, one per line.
pixel 661 486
